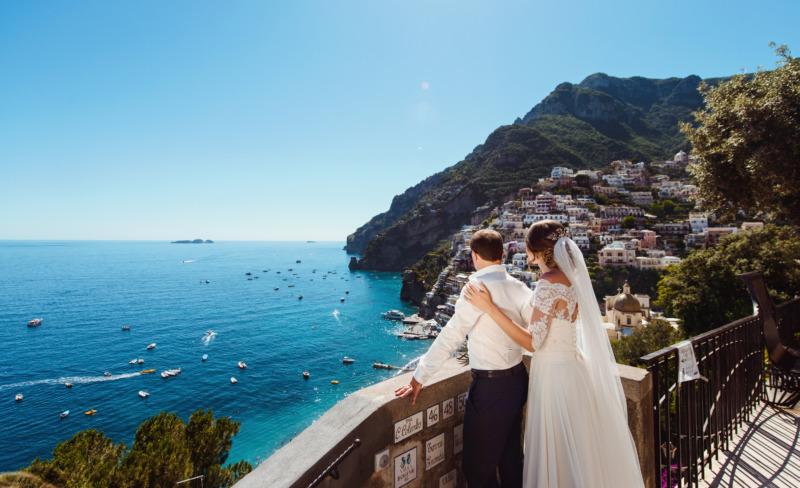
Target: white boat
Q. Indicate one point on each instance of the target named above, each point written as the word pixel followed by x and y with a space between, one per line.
pixel 126 328
pixel 394 315
pixel 348 360
pixel 205 357
pixel 140 361
pixel 151 346
pixel 35 322
pixel 107 374
pixel 132 361
pixel 234 380
pixel 68 384
pixel 168 373
pixel 242 365
pixel 143 394
pixel 18 397
pixel 63 414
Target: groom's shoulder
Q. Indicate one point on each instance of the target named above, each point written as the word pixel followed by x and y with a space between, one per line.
pixel 515 283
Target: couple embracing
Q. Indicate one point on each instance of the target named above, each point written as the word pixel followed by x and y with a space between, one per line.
pixel 576 424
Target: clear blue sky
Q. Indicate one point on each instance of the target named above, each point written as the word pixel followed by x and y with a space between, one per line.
pixel 301 120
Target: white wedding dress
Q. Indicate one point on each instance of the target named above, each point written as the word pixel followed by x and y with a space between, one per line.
pixel 576 432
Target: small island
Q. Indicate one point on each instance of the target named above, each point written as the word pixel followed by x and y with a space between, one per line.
pixel 194 241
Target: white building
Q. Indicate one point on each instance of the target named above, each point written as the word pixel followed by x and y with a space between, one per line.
pixel 615 254
pixel 698 221
pixel 560 172
pixel 528 219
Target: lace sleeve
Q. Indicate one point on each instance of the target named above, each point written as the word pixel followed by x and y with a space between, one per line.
pixel 548 302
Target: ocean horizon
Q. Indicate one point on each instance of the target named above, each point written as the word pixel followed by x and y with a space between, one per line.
pixel 171 295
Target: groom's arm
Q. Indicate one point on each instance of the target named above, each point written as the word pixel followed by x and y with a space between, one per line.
pixel 446 343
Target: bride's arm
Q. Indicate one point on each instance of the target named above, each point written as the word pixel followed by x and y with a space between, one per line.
pixel 482 300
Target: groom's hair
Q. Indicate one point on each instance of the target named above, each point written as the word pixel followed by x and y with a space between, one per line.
pixel 488 244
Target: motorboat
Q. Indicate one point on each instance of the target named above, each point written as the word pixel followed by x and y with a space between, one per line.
pixel 290 286
pixel 151 346
pixel 347 360
pixel 140 361
pixel 306 375
pixel 90 412
pixel 68 384
pixel 143 394
pixel 248 274
pixel 242 365
pixel 147 371
pixel 382 366
pixel 298 261
pixel 394 315
pixel 234 380
pixel 275 289
pixel 168 373
pixel 126 328
pixel 107 374
pixel 341 299
pixel 205 357
pixel 347 292
pixel 63 414
pixel 18 397
pixel 35 322
pixel 132 361
pixel 334 382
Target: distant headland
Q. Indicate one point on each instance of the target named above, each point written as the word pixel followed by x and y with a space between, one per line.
pixel 194 241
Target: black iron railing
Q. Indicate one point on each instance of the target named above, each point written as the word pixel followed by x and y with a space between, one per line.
pixel 693 420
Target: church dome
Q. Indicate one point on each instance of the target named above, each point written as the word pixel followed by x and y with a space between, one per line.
pixel 627 303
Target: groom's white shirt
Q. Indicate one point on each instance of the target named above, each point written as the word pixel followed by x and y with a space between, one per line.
pixel 489 347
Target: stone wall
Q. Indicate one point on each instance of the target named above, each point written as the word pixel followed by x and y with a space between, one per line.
pixel 400 444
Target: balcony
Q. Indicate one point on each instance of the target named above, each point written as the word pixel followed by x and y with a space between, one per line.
pixel 701 433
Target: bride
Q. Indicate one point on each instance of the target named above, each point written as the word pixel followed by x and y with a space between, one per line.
pixel 576 432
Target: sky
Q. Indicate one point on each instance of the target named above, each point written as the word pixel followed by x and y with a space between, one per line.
pixel 295 120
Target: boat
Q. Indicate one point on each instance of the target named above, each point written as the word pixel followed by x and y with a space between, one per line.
pixel 334 382
pixel 341 299
pixel 300 297
pixel 234 380
pixel 249 279
pixel 204 358
pixel 207 281
pixel 18 397
pixel 347 360
pixel 382 366
pixel 248 274
pixel 35 322
pixel 347 292
pixel 290 269
pixel 151 346
pixel 63 414
pixel 275 289
pixel 68 384
pixel 168 373
pixel 132 361
pixel 242 365
pixel 394 315
pixel 147 371
pixel 90 412
pixel 126 328
pixel 143 394
pixel 306 375
pixel 107 374
pixel 140 361
pixel 298 261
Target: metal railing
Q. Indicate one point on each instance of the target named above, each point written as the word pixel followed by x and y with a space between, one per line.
pixel 693 420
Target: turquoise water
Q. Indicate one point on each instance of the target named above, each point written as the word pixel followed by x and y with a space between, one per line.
pixel 86 291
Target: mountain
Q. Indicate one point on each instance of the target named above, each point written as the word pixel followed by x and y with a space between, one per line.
pixel 601 119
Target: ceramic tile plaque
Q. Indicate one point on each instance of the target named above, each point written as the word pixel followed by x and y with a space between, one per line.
pixel 434 451
pixel 405 468
pixel 448 408
pixel 460 402
pixel 407 427
pixel 448 480
pixel 433 415
pixel 382 460
pixel 458 438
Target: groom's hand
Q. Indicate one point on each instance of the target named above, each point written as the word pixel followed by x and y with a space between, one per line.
pixel 413 389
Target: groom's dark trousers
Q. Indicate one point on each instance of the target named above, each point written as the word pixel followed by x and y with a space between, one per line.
pixel 493 428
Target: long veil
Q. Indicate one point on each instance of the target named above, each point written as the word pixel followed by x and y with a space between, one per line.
pixel 595 347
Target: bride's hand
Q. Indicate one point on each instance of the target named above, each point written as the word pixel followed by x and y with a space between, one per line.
pixel 479 297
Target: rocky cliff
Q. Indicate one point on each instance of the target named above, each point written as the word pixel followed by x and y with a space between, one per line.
pixel 577 125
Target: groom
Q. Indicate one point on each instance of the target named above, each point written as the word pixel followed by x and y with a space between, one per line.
pixel 499 388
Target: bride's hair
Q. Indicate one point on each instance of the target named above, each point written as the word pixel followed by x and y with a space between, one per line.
pixel 542 236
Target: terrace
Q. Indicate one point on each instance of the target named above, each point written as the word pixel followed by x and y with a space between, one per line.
pixel 724 430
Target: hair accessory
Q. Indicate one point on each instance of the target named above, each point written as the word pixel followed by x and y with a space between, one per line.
pixel 556 234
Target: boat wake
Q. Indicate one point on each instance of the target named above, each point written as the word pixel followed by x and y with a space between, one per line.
pixel 76 380
pixel 186 261
pixel 336 315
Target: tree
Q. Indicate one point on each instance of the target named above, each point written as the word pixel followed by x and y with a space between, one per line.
pixel 747 141
pixel 657 335
pixel 704 291
pixel 165 450
pixel 628 222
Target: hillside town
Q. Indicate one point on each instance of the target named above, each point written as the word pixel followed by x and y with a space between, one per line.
pixel 638 215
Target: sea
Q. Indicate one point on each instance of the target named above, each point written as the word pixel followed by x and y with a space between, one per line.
pixel 173 295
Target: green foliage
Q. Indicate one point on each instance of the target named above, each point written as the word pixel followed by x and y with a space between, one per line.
pixel 608 281
pixel 657 335
pixel 165 450
pixel 704 291
pixel 22 479
pixel 428 268
pixel 747 139
pixel 628 222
